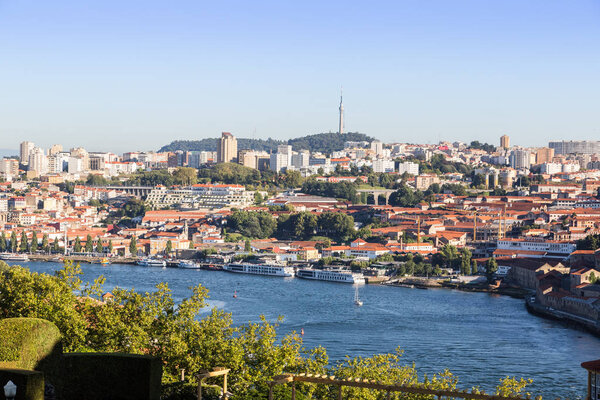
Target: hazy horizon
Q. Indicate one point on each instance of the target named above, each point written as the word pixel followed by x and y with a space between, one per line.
pixel 118 76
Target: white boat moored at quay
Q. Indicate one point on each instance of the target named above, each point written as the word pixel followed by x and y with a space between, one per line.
pixel 151 262
pixel 329 275
pixel 13 257
pixel 189 264
pixel 260 269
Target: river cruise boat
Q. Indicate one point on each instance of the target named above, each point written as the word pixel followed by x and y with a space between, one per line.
pixel 14 257
pixel 259 269
pixel 151 262
pixel 189 264
pixel 329 275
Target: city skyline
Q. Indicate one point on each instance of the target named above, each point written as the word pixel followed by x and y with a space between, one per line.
pixel 412 73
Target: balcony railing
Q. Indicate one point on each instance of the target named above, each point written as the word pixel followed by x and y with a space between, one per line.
pixel 204 375
pixel 419 388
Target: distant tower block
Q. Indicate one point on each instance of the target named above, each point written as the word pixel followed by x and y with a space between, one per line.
pixel 341 131
pixel 505 141
pixel 227 148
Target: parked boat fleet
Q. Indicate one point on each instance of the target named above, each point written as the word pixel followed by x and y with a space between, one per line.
pixel 277 270
pixel 330 275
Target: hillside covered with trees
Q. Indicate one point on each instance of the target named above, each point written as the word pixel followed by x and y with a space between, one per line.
pixel 322 142
pixel 210 144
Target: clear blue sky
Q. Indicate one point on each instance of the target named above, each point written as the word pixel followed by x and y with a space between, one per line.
pixel 126 74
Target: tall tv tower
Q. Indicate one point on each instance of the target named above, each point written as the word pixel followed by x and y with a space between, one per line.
pixel 341 131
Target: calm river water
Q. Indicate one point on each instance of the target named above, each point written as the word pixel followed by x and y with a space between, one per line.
pixel 479 337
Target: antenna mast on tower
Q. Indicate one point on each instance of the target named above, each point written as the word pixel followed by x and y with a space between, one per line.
pixel 341 127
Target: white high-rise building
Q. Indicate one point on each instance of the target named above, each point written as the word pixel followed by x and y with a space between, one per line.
pixel 82 153
pixel 409 168
pixel 377 147
pixel 282 159
pixel 520 159
pixel 10 167
pixel 383 165
pixel 56 148
pixel 75 165
pixel 26 148
pixel 58 162
pixel 301 159
pixel 279 161
pixel 226 148
pixel 38 161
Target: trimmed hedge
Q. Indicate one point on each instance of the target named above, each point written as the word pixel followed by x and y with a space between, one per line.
pixel 29 343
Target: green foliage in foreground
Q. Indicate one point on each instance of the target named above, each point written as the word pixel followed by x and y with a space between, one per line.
pixel 152 323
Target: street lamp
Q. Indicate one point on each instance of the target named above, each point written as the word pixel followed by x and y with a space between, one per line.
pixel 10 390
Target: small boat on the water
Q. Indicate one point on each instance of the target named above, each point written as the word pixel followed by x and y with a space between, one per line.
pixel 151 262
pixel 357 300
pixel 56 259
pixel 104 261
pixel 14 257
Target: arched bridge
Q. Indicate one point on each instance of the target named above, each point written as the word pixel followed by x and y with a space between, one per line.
pixel 376 193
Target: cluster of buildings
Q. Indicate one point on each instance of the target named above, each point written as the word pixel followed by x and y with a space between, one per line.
pixel 532 231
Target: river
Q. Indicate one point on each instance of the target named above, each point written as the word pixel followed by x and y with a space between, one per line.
pixel 477 336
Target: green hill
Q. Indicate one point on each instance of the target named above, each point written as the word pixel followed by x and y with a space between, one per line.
pixel 323 142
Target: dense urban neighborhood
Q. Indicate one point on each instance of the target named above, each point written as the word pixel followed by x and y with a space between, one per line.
pixel 471 216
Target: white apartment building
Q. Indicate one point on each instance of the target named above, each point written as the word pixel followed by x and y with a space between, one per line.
pixel 550 168
pixel 377 147
pixel 520 159
pixel 301 159
pixel 115 168
pixel 200 196
pixel 56 148
pixel 58 162
pixel 9 166
pixel 282 159
pixel 571 167
pixel 381 165
pixel 409 168
pixel 38 161
pixel 75 165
